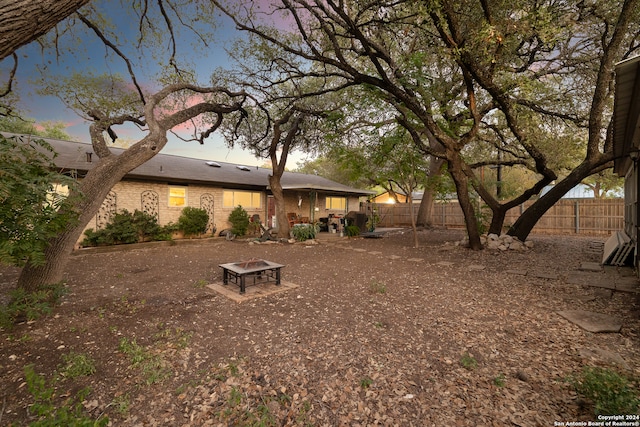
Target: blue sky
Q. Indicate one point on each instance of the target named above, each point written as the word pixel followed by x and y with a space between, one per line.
pixel 91 55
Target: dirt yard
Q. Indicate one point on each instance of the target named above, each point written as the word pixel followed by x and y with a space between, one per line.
pixel 376 333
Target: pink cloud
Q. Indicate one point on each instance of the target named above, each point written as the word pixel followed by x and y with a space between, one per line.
pixel 269 15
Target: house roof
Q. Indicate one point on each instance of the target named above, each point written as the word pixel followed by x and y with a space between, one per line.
pixel 185 170
pixel 626 113
pixel 582 191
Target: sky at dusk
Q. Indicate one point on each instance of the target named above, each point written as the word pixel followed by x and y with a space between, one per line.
pixel 92 57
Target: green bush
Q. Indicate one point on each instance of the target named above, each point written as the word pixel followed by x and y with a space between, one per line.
pixel 30 305
pixel 352 230
pixel 610 392
pixel 239 219
pixel 193 221
pixel 127 227
pixel 32 211
pixel 304 232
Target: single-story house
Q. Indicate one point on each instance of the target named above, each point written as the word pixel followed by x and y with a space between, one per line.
pixel 626 143
pixel 166 184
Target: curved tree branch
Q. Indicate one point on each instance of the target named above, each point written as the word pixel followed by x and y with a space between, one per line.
pixel 118 52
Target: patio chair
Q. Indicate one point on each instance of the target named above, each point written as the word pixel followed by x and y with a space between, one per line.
pixel 293 219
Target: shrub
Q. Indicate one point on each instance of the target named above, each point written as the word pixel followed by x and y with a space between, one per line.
pixel 610 392
pixel 352 230
pixel 304 232
pixel 193 221
pixel 239 219
pixel 31 210
pixel 376 287
pixel 30 305
pixel 127 227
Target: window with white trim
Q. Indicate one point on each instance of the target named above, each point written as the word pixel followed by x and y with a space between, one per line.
pixel 177 196
pixel 336 203
pixel 246 199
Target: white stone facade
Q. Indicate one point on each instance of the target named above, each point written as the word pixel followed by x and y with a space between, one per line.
pixel 153 197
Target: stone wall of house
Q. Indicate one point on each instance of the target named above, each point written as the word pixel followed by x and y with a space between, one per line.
pixel 153 198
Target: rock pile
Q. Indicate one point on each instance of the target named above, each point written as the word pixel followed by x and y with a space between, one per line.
pixel 502 243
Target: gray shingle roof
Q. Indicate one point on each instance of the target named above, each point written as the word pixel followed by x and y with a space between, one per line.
pixel 177 169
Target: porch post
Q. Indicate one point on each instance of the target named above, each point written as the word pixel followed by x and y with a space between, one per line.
pixel 313 198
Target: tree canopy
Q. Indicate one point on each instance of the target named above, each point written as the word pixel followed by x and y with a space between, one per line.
pixel 527 80
pixel 34 206
pixel 146 81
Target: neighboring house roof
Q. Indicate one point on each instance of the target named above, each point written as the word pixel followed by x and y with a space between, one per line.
pixel 626 113
pixel 581 191
pixel 183 170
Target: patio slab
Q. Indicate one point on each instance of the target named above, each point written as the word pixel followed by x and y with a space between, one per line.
pixel 591 266
pixel 254 291
pixel 603 355
pixel 627 284
pixel 543 275
pixel 591 321
pixel 517 272
pixel 612 281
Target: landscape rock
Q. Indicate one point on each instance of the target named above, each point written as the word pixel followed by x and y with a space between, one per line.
pixel 502 243
pixel 493 244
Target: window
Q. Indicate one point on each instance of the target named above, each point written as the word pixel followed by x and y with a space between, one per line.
pixel 246 199
pixel 337 203
pixel 177 196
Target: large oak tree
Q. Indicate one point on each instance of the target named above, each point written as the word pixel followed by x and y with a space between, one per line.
pixel 461 73
pixel 109 101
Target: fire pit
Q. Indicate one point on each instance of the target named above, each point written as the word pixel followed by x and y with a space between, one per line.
pixel 259 270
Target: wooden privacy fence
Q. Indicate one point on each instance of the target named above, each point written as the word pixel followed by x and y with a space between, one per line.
pixel 568 216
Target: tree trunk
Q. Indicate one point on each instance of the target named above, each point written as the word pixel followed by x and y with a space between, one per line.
pixel 56 255
pixel 23 21
pixel 93 189
pixel 425 212
pixel 461 181
pixel 529 218
pixel 497 220
pixel 281 213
